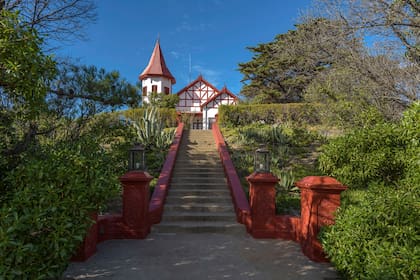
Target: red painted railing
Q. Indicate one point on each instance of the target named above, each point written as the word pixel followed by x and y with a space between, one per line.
pixel 161 190
pixel 239 199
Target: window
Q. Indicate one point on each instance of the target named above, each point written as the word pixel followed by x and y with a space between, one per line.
pixel 154 88
pixel 144 91
pixel 166 90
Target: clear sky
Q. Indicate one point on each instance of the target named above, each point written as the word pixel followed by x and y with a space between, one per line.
pixel 215 33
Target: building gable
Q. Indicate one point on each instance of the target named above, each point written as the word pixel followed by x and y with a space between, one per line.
pixel 225 97
pixel 194 95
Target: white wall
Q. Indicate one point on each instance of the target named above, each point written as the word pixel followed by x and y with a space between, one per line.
pixel 160 82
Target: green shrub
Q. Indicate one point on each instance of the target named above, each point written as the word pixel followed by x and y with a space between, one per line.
pixel 46 217
pixel 168 116
pixel 240 115
pixel 376 235
pixel 376 231
pixel 379 153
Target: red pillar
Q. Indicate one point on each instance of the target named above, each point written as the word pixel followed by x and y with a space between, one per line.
pixel 262 196
pixel 136 202
pixel 88 246
pixel 320 197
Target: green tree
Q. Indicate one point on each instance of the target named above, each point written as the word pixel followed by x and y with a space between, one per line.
pixel 162 100
pixel 280 70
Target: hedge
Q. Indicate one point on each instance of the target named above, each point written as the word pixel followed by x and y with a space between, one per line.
pixel 239 115
pixel 168 116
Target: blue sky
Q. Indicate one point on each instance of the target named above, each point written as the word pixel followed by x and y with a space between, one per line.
pixel 215 33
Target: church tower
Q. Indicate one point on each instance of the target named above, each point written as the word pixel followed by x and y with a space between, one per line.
pixel 156 77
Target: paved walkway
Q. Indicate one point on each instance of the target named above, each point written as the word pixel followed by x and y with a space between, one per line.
pixel 199 256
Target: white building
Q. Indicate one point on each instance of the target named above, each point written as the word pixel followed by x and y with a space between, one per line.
pixel 199 99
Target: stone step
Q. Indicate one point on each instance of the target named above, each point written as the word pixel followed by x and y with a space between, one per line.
pixel 201 162
pixel 198 207
pixel 200 227
pixel 195 169
pixel 198 180
pixel 198 156
pixel 203 192
pixel 198 149
pixel 172 199
pixel 198 173
pixel 200 217
pixel 207 186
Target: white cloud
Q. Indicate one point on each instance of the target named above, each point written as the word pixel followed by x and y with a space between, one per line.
pixel 210 75
pixel 175 54
pixel 188 27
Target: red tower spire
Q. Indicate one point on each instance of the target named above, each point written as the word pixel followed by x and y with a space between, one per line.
pixel 157 66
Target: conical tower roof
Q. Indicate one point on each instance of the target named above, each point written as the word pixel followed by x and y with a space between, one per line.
pixel 157 66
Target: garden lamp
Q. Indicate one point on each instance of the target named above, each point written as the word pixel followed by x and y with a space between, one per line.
pixel 262 161
pixel 136 160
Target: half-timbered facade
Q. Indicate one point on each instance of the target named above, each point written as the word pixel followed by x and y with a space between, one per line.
pixel 200 100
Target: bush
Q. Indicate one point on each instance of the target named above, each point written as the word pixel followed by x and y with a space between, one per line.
pixel 239 115
pixel 45 218
pixel 380 153
pixel 376 232
pixel 376 235
pixel 168 117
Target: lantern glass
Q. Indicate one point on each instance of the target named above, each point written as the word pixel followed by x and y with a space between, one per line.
pixel 262 161
pixel 136 158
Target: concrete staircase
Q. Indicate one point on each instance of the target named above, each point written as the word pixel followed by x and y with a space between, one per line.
pixel 199 199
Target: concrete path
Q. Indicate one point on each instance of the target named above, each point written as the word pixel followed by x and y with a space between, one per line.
pixel 199 256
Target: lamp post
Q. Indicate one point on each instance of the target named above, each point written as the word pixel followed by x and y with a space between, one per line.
pixel 136 161
pixel 262 195
pixel 262 161
pixel 136 195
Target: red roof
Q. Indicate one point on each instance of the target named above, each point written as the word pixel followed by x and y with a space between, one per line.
pixel 199 79
pixel 157 66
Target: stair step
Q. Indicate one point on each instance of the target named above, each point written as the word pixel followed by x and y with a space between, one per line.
pixel 198 173
pixel 198 168
pixel 196 199
pixel 198 180
pixel 205 192
pixel 199 207
pixel 200 217
pixel 209 186
pixel 200 227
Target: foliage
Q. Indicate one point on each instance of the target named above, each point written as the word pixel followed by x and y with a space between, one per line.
pixel 162 100
pixel 46 216
pixel 55 151
pixel 59 20
pixel 376 232
pixel 396 24
pixel 379 153
pixel 151 132
pixel 241 115
pixel 280 70
pixel 291 147
pixel 377 235
pixel 168 116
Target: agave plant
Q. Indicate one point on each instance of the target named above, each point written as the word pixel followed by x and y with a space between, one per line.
pixel 151 131
pixel 287 181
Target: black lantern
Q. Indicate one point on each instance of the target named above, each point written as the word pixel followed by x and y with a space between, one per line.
pixel 136 158
pixel 262 161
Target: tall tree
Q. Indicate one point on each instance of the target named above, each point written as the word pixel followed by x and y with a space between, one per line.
pixel 36 93
pixel 281 70
pixel 395 22
pixel 60 20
